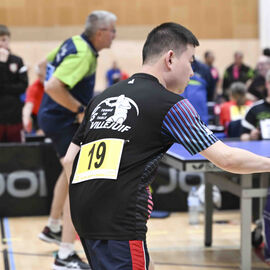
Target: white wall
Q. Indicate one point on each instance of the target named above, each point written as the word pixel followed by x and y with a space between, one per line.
pixel 264 23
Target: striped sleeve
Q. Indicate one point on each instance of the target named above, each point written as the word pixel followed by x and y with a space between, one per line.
pixel 249 122
pixel 183 125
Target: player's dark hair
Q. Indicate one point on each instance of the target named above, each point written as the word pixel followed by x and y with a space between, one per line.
pixel 266 52
pixel 206 54
pixel 4 30
pixel 167 36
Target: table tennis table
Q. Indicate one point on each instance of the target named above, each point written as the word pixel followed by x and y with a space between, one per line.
pixel 178 157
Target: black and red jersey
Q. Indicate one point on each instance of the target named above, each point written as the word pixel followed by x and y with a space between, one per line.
pixel 124 135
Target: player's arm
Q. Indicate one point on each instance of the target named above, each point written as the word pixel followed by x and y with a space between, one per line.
pixel 74 146
pixel 249 129
pixel 71 70
pixel 41 68
pixel 58 91
pixel 72 151
pixel 183 125
pixel 26 116
pixel 235 160
pixel 55 88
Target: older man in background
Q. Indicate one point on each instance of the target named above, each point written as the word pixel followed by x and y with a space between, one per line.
pixel 70 80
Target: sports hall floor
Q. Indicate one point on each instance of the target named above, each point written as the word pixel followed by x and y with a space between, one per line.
pixel 173 244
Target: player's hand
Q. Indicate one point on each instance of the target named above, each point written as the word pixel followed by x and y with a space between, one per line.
pixel 4 53
pixel 80 117
pixel 27 124
pixel 255 134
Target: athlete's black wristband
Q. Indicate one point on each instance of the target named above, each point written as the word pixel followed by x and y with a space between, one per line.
pixel 80 109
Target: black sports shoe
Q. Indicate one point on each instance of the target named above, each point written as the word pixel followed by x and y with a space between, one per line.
pixel 49 236
pixel 72 262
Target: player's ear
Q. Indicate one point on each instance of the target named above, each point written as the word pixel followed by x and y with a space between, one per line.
pixel 98 33
pixel 169 59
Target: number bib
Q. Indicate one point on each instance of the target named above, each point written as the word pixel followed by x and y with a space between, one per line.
pixel 99 159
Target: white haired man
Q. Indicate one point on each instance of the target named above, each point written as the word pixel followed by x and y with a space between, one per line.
pixel 70 78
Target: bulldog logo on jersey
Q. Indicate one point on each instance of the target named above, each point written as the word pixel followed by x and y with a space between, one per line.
pixel 112 113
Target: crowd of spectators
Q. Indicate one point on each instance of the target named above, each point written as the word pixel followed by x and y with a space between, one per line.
pixel 232 92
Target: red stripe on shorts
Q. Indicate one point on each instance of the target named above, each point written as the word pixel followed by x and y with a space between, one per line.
pixel 137 255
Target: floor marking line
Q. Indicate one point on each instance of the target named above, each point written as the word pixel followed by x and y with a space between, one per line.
pixel 9 244
pixel 3 235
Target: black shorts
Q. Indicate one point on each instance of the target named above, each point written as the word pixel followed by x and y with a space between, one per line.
pixel 115 254
pixel 61 140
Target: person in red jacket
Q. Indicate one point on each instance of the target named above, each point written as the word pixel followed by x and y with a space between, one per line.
pixel 34 94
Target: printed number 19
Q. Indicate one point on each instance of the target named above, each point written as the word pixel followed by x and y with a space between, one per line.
pixel 100 155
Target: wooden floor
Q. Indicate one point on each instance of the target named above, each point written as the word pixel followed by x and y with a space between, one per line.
pixel 172 243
